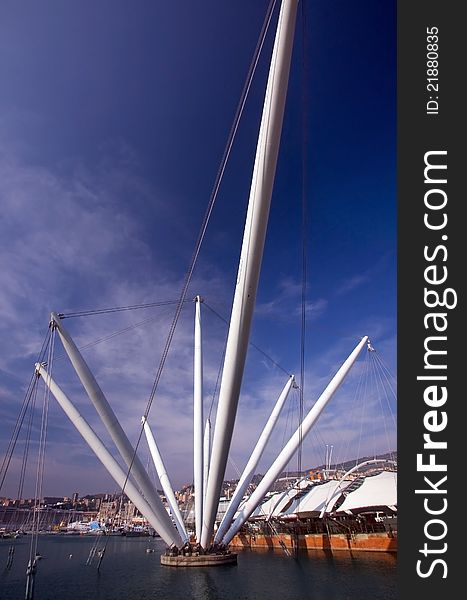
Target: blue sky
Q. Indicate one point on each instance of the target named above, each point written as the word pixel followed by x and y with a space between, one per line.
pixel 113 120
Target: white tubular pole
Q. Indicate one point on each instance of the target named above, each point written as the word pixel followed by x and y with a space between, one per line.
pixel 206 454
pixel 198 421
pixel 206 459
pixel 165 481
pixel 255 457
pixel 103 408
pixel 159 520
pixel 291 447
pixel 250 259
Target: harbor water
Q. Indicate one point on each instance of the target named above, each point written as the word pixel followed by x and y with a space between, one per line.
pixel 131 570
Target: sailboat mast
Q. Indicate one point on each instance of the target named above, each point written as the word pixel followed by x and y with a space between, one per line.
pixel 250 259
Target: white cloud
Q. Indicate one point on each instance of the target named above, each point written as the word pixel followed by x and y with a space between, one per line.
pixel 360 279
pixel 286 304
pixel 352 283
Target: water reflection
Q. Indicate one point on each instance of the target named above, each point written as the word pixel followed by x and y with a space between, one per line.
pixel 128 572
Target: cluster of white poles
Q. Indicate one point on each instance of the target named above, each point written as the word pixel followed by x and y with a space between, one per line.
pixel 136 482
pixel 210 463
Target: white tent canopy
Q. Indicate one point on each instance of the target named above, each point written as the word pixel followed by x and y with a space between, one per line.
pixel 377 490
pixel 276 504
pixel 317 498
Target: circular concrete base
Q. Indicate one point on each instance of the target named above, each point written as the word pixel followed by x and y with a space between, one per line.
pixel 202 560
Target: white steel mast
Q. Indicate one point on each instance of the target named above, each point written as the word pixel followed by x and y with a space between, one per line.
pixel 198 422
pixel 250 259
pixel 108 418
pixel 206 456
pixel 252 463
pixel 159 520
pixel 165 481
pixel 291 447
